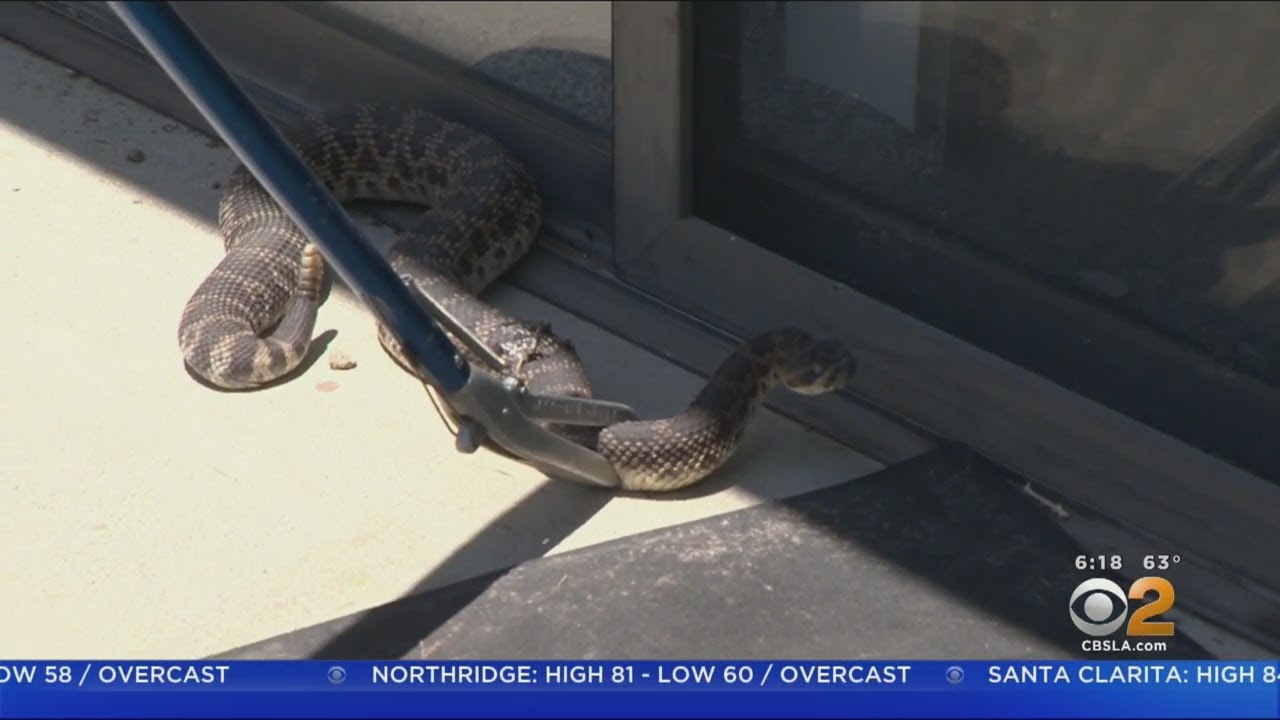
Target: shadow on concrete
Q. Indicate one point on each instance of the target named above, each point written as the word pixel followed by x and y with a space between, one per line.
pixel 937 558
pixel 394 629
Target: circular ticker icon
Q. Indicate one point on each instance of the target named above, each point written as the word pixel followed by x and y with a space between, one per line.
pixel 337 675
pixel 955 675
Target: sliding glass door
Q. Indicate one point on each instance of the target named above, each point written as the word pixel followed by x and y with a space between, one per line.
pixel 1049 231
pixel 1094 187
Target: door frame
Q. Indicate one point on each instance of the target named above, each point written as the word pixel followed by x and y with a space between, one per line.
pixel 1171 496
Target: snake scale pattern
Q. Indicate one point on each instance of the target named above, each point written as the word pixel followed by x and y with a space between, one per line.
pixel 251 320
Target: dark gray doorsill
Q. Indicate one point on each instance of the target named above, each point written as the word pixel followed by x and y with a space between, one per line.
pixel 1233 579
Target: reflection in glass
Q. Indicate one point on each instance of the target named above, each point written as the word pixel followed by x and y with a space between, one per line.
pixel 1126 152
pixel 558 53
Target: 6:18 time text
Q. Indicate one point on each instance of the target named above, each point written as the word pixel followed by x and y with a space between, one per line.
pixel 1099 562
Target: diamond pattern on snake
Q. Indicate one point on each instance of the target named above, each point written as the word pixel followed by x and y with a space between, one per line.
pixel 251 320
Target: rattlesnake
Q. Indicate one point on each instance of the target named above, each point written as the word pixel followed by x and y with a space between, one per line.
pixel 250 321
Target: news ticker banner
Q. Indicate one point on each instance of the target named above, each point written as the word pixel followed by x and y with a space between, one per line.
pixel 637 689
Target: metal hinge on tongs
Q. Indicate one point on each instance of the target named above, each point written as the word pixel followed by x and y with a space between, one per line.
pixel 491 404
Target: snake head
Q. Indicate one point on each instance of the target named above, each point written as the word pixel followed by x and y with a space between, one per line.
pixel 822 367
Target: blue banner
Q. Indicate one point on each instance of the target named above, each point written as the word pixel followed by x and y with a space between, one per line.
pixel 783 688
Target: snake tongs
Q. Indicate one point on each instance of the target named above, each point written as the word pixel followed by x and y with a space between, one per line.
pixel 496 405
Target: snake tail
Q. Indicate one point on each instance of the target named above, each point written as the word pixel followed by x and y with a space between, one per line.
pixel 250 322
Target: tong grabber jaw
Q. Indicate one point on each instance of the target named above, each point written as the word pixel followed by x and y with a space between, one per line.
pixel 499 407
pixel 493 407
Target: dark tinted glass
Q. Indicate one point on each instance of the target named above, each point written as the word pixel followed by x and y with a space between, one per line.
pixel 1123 155
pixel 559 53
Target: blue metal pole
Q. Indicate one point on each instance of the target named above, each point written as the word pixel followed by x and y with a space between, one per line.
pixel 298 191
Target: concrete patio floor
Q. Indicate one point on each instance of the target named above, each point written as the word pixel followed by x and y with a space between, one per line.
pixel 146 515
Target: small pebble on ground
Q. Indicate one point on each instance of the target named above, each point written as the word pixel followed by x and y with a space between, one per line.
pixel 339 360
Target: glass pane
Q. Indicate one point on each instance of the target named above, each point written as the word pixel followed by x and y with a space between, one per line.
pixel 559 53
pixel 1125 153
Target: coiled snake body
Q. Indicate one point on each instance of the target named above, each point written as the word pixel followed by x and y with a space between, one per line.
pixel 250 321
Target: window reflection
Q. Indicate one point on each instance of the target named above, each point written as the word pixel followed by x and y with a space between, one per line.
pixel 557 53
pixel 1129 152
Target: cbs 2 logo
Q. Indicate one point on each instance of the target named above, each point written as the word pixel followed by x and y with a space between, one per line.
pixel 1099 606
